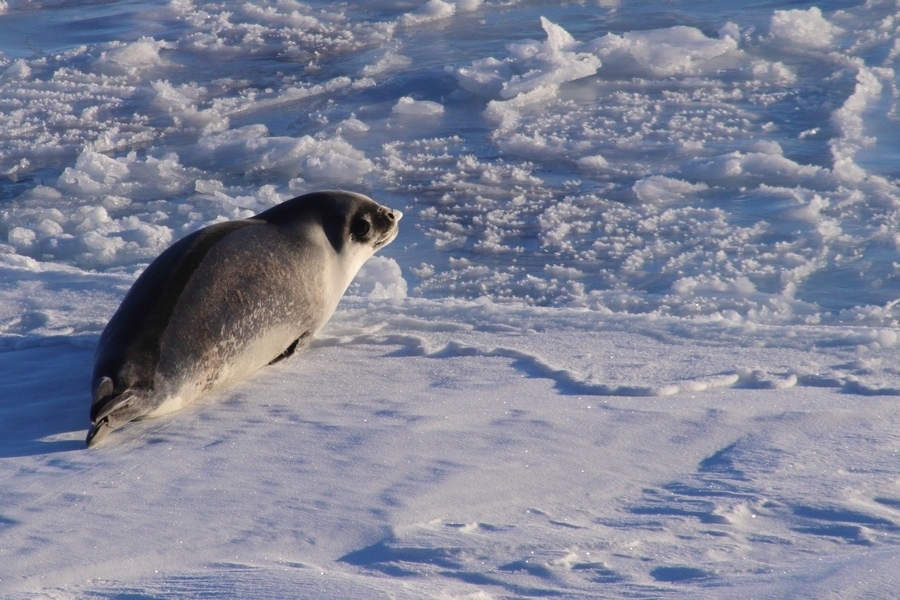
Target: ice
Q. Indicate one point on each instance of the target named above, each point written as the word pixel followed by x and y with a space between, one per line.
pixel 550 63
pixel 848 120
pixel 595 162
pixel 659 188
pixel 662 53
pixel 417 108
pixel 803 28
pixel 531 66
pixel 380 279
pixel 432 10
pixel 389 62
pixel 770 168
pixel 133 59
pixel 18 70
pixel 252 149
pixel 637 337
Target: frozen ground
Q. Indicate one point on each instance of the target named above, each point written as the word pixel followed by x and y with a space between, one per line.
pixel 637 337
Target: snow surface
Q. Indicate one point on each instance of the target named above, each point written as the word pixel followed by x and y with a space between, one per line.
pixel 637 336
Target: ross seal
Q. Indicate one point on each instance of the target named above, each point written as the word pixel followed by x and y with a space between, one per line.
pixel 228 299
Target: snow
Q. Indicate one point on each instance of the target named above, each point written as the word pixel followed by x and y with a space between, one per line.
pixel 637 336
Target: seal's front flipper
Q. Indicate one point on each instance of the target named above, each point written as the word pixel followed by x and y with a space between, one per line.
pixel 298 344
pixel 290 351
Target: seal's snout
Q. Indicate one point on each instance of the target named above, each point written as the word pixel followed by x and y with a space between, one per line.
pixel 391 214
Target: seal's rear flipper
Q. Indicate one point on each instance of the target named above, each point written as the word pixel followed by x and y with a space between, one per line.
pixel 110 411
pixel 101 387
pixel 97 433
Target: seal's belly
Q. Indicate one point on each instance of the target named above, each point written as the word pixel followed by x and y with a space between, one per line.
pixel 227 363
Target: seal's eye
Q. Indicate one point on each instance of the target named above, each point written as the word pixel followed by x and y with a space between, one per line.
pixel 360 228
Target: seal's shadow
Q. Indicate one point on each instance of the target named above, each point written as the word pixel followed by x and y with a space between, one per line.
pixel 44 394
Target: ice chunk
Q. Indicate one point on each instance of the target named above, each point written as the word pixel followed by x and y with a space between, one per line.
pixel 848 119
pixel 775 72
pixel 134 58
pixel 804 28
pixel 593 163
pixel 507 112
pixel 531 65
pixel 96 175
pixel 485 77
pixel 379 278
pixel 18 70
pixel 335 161
pixel 551 62
pixel 667 52
pixel 22 239
pixel 432 10
pixel 101 168
pixel 417 108
pixel 391 61
pixel 753 167
pixel 182 104
pixel 251 149
pixel 659 188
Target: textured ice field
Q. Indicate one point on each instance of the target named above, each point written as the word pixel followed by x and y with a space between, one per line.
pixel 637 336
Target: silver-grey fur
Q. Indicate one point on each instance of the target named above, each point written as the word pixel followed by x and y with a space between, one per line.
pixel 228 299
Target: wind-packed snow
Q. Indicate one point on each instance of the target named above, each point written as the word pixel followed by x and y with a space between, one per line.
pixel 638 336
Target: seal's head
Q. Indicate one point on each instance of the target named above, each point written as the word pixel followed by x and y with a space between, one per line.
pixel 354 225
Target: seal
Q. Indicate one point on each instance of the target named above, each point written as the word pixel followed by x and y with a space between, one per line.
pixel 228 299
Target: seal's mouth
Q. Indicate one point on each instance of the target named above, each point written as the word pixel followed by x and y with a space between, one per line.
pixel 389 236
pixel 387 218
